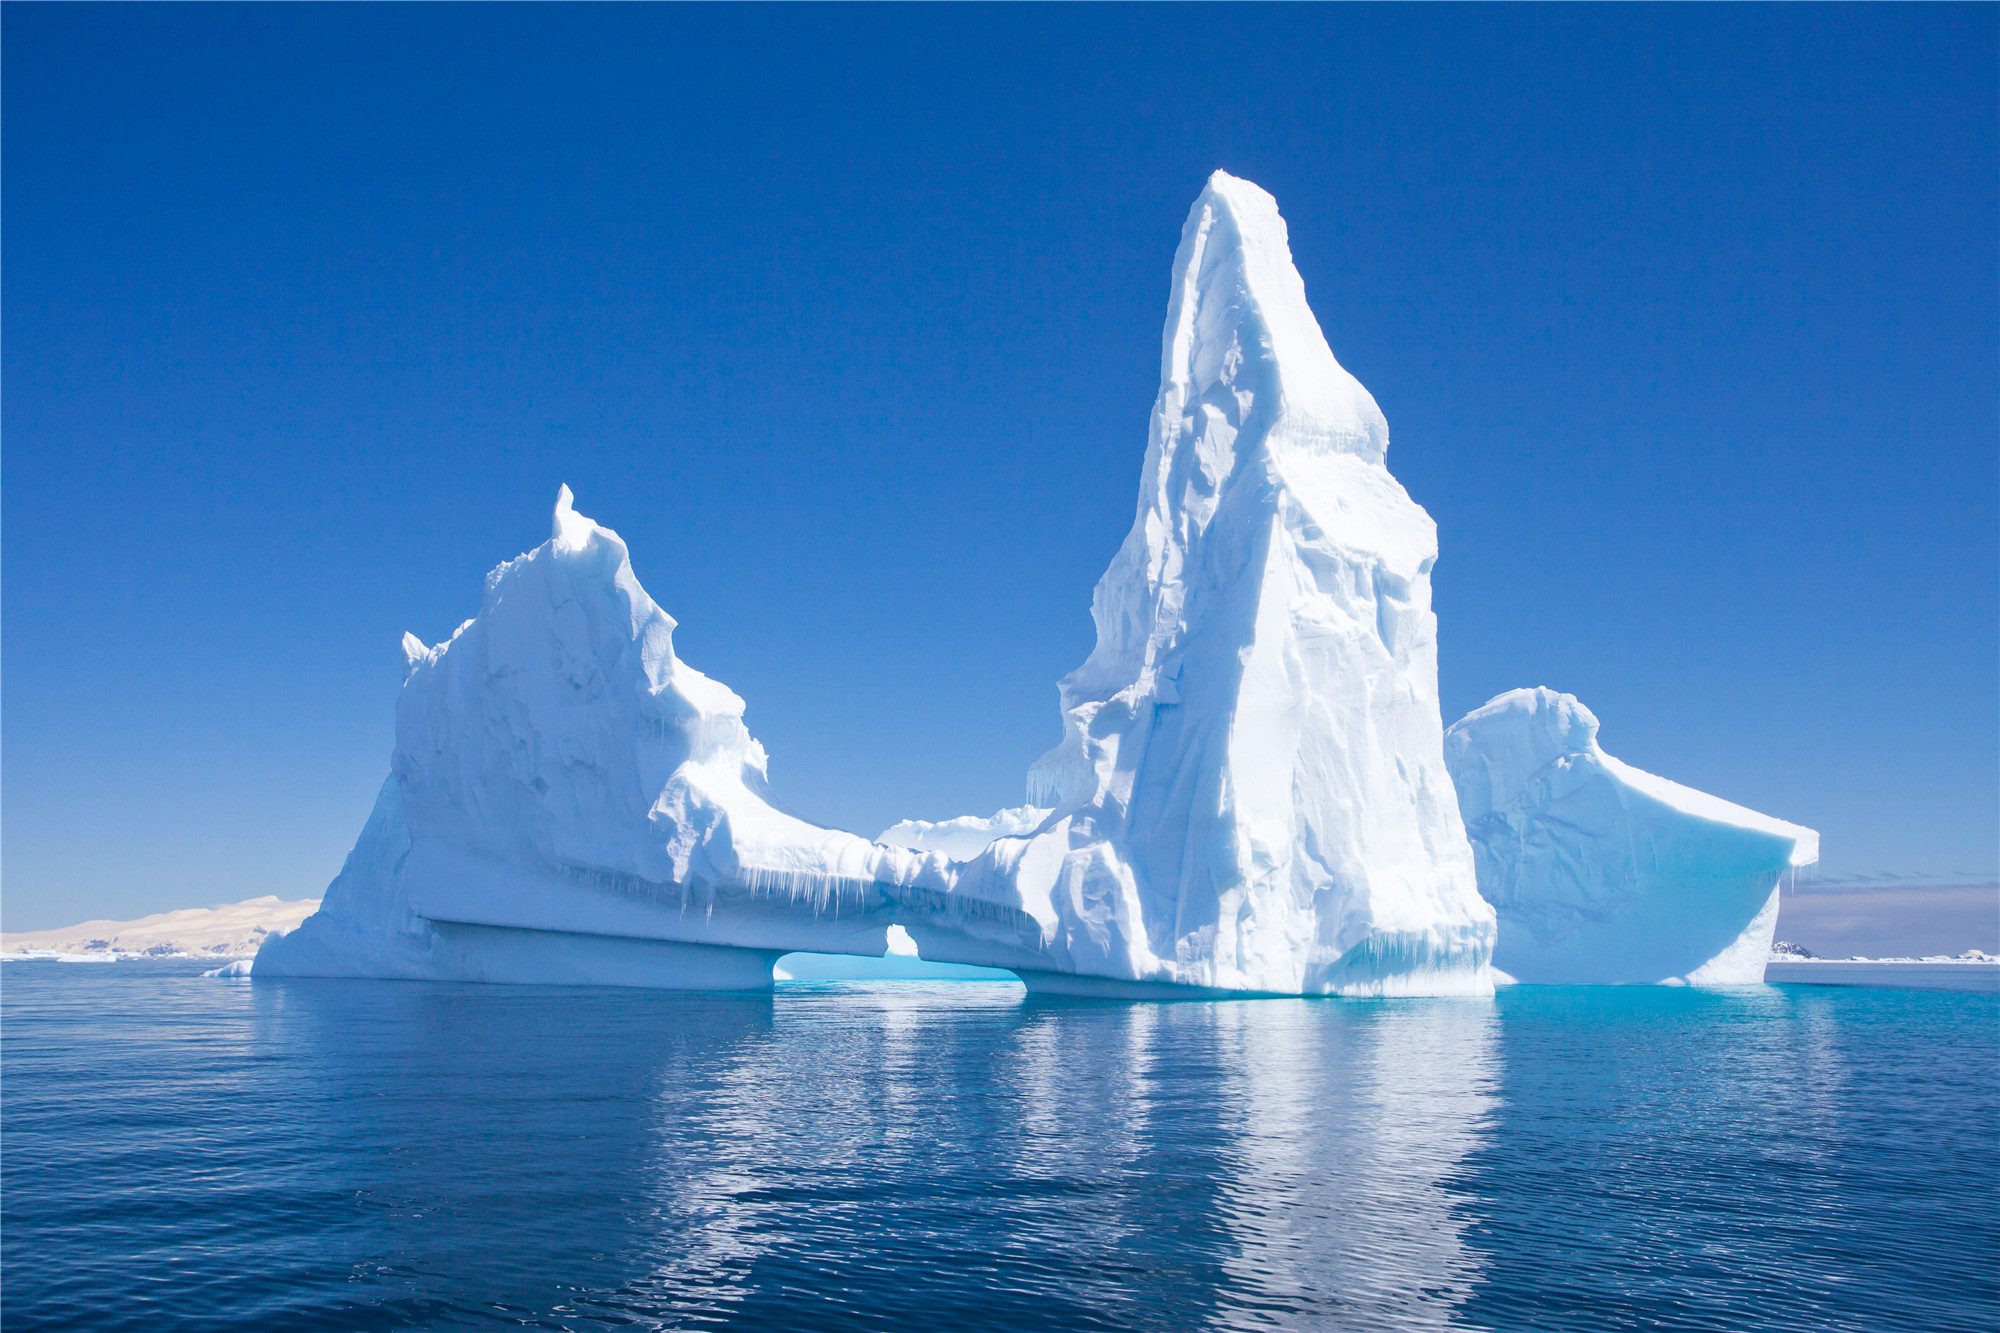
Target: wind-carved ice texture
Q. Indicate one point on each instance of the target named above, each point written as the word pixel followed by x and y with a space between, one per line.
pixel 1602 873
pixel 1250 793
pixel 570 802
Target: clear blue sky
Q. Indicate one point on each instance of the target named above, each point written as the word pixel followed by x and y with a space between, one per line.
pixel 1684 321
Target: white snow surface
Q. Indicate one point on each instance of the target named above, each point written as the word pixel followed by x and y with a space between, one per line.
pixel 569 801
pixel 967 836
pixel 1603 873
pixel 230 931
pixel 1250 793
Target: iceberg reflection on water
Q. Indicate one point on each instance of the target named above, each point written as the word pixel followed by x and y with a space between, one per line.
pixel 1224 1165
pixel 1344 1135
pixel 307 1153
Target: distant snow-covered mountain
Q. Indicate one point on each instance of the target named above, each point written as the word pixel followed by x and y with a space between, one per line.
pixel 236 930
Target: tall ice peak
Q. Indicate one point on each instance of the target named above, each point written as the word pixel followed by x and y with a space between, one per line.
pixel 1238 323
pixel 1250 793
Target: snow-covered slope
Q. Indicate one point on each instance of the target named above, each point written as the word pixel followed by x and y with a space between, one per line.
pixel 571 802
pixel 1603 873
pixel 1250 793
pixel 220 932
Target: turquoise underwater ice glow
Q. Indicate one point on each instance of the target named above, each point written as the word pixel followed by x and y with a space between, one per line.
pixel 290 1154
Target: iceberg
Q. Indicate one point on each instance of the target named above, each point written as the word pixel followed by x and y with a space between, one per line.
pixel 570 802
pixel 1250 793
pixel 1602 873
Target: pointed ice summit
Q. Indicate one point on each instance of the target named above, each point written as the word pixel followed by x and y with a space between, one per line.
pixel 1603 873
pixel 1250 793
pixel 571 802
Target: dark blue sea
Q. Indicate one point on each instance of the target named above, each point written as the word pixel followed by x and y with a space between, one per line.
pixel 183 1153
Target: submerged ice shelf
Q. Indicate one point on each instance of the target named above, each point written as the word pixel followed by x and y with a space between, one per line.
pixel 1253 793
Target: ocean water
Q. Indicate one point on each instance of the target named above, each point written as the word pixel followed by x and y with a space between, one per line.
pixel 187 1153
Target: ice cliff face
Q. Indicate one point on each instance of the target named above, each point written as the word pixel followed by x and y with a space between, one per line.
pixel 568 798
pixel 1603 873
pixel 1250 792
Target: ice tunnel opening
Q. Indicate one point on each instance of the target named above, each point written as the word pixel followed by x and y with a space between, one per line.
pixel 900 963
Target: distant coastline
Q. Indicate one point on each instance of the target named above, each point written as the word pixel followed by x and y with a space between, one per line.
pixel 233 930
pixel 1981 974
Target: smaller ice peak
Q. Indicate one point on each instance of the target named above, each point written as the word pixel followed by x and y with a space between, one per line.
pixel 570 802
pixel 559 723
pixel 900 943
pixel 570 529
pixel 967 836
pixel 582 579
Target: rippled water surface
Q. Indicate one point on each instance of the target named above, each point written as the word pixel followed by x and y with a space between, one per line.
pixel 190 1153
